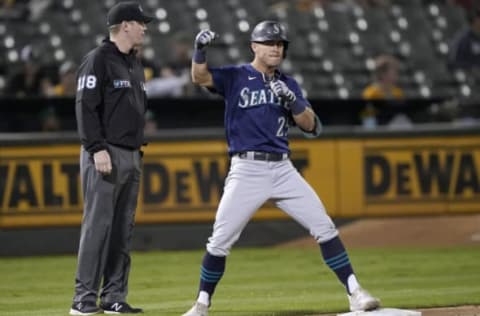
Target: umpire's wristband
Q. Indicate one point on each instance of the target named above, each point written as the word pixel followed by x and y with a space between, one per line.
pixel 297 107
pixel 199 56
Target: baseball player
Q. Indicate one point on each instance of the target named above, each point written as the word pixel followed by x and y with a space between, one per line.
pixel 261 103
pixel 110 108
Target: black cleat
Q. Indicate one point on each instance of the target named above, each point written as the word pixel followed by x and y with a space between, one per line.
pixel 119 308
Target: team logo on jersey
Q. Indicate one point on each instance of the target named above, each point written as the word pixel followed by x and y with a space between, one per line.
pixel 119 84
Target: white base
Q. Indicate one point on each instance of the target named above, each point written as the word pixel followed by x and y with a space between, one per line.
pixel 384 312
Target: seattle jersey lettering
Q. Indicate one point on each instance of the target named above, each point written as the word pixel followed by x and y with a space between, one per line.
pixel 249 98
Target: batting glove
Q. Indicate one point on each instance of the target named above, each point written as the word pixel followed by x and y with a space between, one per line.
pixel 281 91
pixel 204 38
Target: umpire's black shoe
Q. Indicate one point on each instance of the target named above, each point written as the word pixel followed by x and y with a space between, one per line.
pixel 84 308
pixel 119 308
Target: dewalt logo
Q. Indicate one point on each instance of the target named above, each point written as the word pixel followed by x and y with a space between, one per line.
pixel 40 184
pixel 43 187
pixel 177 182
pixel 410 174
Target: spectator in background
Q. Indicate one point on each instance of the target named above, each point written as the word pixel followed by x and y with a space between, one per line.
pixel 384 85
pixel 160 82
pixel 67 87
pixel 167 85
pixel 180 53
pixel 465 48
pixel 174 77
pixel 32 79
pixel 150 67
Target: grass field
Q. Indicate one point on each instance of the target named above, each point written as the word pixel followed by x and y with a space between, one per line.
pixel 268 281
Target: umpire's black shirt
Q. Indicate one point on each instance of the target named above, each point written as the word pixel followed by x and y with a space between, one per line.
pixel 111 101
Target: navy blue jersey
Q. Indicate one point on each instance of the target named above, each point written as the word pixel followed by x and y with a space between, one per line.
pixel 255 119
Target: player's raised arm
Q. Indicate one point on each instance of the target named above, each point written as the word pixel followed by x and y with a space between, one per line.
pixel 200 73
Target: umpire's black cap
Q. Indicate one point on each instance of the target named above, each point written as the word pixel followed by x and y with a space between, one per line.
pixel 127 11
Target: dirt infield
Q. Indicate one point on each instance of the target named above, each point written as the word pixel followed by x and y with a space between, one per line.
pixel 403 232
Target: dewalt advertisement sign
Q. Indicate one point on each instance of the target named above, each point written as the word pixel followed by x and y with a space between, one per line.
pixel 410 176
pixel 422 177
pixel 39 186
pixel 182 181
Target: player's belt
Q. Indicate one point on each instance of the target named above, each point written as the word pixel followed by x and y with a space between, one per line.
pixel 261 155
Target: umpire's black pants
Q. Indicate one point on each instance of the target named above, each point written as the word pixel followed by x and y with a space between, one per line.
pixel 107 226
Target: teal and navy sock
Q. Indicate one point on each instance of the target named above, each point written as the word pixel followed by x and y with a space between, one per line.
pixel 211 272
pixel 336 258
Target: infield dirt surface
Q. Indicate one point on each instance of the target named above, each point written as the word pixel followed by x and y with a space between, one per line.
pixel 436 231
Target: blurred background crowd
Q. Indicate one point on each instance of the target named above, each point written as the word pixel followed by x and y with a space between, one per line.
pixel 397 51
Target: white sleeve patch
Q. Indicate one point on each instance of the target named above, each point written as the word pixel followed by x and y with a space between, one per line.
pixel 88 82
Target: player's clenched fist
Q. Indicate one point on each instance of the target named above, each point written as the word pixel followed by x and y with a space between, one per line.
pixel 204 38
pixel 281 91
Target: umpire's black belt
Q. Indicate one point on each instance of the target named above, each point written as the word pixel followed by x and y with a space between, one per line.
pixel 261 155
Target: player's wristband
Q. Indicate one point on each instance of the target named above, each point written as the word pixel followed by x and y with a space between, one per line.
pixel 297 107
pixel 199 56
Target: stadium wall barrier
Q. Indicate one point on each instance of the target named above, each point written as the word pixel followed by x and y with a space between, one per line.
pixel 22 114
pixel 355 172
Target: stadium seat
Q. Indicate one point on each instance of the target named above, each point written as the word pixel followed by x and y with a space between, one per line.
pixel 333 38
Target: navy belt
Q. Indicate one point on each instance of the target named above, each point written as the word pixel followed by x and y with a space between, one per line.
pixel 261 155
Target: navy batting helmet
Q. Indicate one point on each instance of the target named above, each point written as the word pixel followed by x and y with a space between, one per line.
pixel 270 31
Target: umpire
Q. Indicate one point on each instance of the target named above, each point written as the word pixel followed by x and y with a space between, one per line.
pixel 110 107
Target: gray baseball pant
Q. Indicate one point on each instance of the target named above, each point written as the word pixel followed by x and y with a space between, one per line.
pixel 107 226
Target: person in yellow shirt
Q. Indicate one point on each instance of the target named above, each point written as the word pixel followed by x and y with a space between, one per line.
pixel 384 85
pixel 384 88
pixel 67 86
